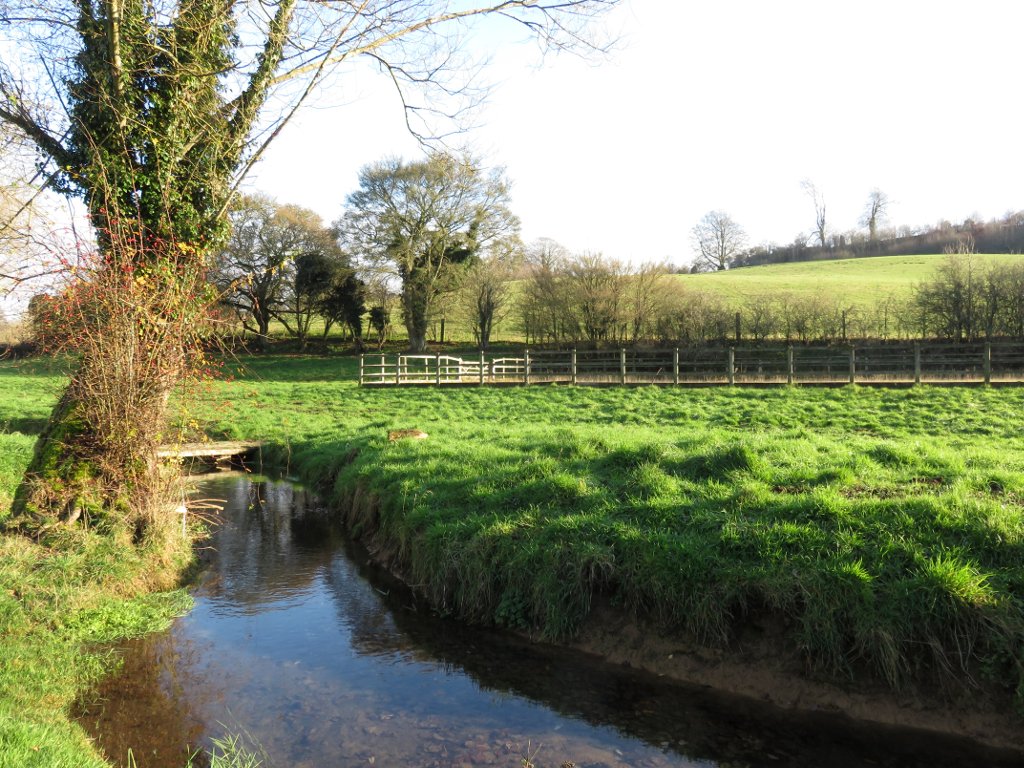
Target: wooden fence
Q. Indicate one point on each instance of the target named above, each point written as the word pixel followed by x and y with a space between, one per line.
pixel 861 364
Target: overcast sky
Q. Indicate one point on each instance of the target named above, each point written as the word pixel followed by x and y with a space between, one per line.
pixel 718 105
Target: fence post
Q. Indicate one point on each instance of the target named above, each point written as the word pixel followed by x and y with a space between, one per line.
pixel 917 362
pixel 790 365
pixel 572 370
pixel 526 366
pixel 437 368
pixel 732 366
pixel 481 367
pixel 360 370
pixel 622 366
pixel 987 366
pixel 675 366
pixel 853 365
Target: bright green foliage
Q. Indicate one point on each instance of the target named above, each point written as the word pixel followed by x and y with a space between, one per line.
pixel 148 140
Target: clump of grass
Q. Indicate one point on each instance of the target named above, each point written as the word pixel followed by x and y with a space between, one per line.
pixel 230 751
pixel 719 463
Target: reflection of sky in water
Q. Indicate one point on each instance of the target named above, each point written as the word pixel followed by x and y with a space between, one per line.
pixel 326 661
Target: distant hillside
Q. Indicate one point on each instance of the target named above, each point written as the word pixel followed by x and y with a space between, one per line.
pixel 1005 235
pixel 861 281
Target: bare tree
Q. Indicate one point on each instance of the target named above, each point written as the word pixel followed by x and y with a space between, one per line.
pixel 694 316
pixel 820 224
pixel 29 237
pixel 276 264
pixel 649 287
pixel 250 271
pixel 950 302
pixel 596 290
pixel 717 240
pixel 761 312
pixel 543 302
pixel 875 213
pixel 485 293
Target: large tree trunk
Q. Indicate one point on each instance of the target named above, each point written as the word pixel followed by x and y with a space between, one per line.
pixel 135 327
pixel 417 340
pixel 56 480
pixel 263 328
pixel 79 474
pixel 415 306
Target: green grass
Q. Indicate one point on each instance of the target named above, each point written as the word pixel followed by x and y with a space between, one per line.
pixel 60 602
pixel 884 526
pixel 862 282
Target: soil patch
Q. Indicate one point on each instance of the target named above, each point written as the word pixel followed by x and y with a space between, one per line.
pixel 763 665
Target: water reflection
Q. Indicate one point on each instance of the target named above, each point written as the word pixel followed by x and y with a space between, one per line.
pixel 327 661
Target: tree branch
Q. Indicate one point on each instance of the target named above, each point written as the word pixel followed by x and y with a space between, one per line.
pixel 34 131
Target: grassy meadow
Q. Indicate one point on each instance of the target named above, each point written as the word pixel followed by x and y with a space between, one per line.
pixel 884 526
pixel 862 282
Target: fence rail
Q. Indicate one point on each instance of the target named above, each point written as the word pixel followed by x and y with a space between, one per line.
pixel 862 364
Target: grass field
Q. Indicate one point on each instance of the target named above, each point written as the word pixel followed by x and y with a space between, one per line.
pixel 863 282
pixel 59 603
pixel 884 526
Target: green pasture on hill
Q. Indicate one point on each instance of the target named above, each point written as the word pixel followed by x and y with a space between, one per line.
pixel 884 526
pixel 863 282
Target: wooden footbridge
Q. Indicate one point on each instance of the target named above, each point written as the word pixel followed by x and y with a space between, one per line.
pixel 220 453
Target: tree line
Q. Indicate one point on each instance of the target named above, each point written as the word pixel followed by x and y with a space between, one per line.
pixel 565 299
pixel 719 242
pixel 431 242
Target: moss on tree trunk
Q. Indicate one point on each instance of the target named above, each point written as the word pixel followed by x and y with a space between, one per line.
pixel 61 483
pixel 75 476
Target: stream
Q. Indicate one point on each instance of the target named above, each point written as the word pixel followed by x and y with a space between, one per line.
pixel 300 645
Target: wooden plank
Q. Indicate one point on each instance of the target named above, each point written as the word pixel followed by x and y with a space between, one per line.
pixel 224 450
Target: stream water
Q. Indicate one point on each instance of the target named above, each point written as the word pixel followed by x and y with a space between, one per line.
pixel 300 644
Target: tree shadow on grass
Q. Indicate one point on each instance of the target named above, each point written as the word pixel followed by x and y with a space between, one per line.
pixel 26 425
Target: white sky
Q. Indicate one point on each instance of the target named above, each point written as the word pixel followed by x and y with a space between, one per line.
pixel 723 104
